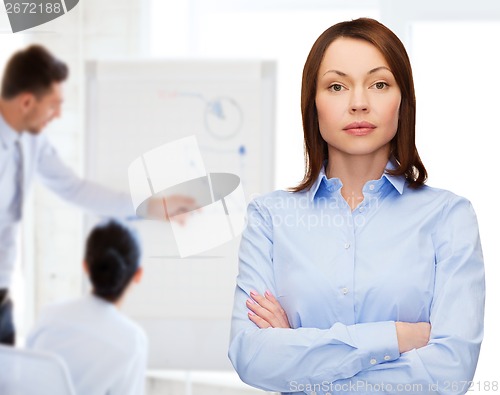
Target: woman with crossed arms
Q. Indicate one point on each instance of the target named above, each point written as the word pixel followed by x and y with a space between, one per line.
pixel 362 278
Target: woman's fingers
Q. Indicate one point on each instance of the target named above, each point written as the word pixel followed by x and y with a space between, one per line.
pixel 261 323
pixel 268 309
pixel 261 312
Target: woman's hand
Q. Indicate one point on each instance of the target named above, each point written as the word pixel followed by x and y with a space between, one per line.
pixel 266 312
pixel 412 335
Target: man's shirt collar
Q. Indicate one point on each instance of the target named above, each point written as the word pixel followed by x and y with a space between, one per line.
pixel 8 136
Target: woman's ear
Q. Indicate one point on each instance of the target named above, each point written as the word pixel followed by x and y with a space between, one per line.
pixel 138 275
pixel 85 267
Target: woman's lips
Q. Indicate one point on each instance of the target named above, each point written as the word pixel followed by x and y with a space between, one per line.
pixel 359 128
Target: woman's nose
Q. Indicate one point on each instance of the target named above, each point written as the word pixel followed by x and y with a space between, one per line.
pixel 358 102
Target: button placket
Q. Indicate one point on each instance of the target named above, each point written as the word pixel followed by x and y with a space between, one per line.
pixel 345 280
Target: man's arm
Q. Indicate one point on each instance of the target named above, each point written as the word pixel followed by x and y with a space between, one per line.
pixel 57 176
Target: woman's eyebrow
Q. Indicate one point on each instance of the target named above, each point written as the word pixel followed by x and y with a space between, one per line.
pixel 336 72
pixel 342 74
pixel 379 68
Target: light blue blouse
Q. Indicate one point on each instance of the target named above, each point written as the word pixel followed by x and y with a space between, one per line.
pixel 344 277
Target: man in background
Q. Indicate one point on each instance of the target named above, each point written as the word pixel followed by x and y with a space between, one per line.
pixel 31 97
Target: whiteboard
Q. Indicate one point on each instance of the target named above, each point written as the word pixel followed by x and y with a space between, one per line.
pixel 134 106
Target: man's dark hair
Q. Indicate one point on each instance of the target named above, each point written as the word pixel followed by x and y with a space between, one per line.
pixel 32 70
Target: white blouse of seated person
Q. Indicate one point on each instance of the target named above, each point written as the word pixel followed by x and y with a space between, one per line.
pixel 105 351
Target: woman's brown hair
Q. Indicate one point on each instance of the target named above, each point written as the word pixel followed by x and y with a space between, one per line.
pixel 403 147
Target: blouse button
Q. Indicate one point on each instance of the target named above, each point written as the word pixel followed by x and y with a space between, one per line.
pixel 373 361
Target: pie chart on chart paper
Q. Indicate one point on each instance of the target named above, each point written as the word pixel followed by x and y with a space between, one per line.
pixel 223 118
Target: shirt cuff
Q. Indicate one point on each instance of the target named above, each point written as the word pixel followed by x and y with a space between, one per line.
pixel 377 341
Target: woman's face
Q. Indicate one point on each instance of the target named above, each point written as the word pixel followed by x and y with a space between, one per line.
pixel 357 99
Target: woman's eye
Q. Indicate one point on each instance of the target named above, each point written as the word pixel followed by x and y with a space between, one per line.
pixel 380 85
pixel 336 87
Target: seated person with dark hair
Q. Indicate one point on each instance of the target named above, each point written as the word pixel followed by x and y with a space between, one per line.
pixel 104 350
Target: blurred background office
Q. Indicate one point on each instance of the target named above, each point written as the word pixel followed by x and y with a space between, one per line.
pixel 454 52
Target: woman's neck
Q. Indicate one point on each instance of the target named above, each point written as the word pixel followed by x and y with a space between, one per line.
pixel 354 171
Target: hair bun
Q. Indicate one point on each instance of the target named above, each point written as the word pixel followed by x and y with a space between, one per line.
pixel 112 254
pixel 108 272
